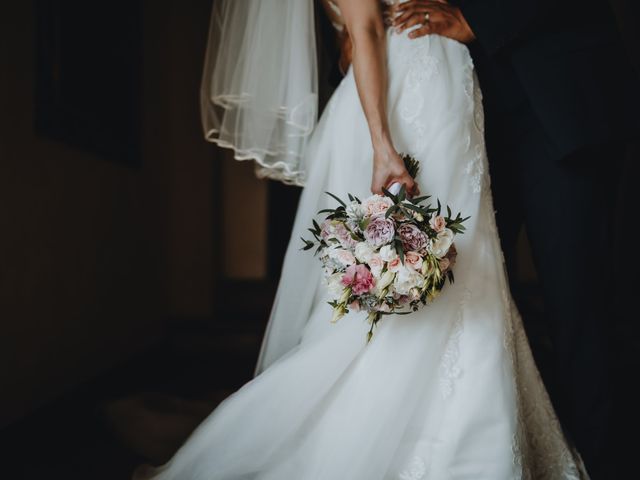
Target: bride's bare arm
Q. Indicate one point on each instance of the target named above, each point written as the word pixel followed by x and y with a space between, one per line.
pixel 363 20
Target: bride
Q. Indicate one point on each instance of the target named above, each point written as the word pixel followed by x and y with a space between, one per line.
pixel 448 392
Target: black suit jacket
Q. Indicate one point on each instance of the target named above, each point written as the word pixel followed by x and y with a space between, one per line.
pixel 564 58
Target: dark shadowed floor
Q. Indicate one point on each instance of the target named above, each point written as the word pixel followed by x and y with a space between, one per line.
pixel 143 410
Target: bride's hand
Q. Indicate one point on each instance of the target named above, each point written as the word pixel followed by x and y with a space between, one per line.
pixel 388 168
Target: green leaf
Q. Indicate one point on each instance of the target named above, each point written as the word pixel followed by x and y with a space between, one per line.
pixel 390 211
pixel 400 250
pixel 390 195
pixel 415 208
pixel 336 198
pixel 417 200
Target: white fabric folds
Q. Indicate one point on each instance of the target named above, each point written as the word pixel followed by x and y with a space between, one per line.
pixel 259 93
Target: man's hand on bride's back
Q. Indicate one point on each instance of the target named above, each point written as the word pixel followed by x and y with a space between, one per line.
pixel 388 168
pixel 443 19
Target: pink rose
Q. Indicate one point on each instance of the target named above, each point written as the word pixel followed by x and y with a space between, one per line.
pixel 379 231
pixel 413 260
pixel 376 204
pixel 438 223
pixel 376 264
pixel 394 265
pixel 412 237
pixel 359 278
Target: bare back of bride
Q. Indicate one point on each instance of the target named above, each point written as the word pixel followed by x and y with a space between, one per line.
pixel 448 392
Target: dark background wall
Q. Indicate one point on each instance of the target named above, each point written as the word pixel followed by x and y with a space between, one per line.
pixel 96 257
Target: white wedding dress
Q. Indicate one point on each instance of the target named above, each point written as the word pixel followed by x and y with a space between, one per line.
pixel 449 392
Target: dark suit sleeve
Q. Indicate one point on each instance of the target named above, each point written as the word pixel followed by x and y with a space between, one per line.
pixel 499 23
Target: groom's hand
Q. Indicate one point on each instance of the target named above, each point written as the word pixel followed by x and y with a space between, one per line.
pixel 444 19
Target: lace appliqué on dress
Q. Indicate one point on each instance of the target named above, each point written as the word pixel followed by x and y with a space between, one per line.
pixel 421 68
pixel 416 470
pixel 449 368
pixel 476 169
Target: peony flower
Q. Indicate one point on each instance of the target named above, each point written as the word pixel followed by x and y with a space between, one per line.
pixel 341 256
pixel 376 204
pixel 438 223
pixel 412 237
pixel 441 244
pixel 379 231
pixel 388 253
pixel 406 279
pixel 359 278
pixel 413 260
pixel 375 264
pixel 364 252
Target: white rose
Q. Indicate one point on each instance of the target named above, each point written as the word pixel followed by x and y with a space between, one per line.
pixel 388 253
pixel 334 286
pixel 406 279
pixel 440 246
pixel 363 252
pixel 343 257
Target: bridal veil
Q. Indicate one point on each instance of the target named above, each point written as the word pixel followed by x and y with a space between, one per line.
pixel 259 93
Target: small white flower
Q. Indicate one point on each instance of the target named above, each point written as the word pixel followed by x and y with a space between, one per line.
pixel 334 286
pixel 388 253
pixel 441 244
pixel 355 210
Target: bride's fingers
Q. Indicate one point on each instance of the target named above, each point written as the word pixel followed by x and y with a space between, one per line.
pixel 411 187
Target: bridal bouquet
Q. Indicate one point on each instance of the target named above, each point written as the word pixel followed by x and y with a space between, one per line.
pixel 386 254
